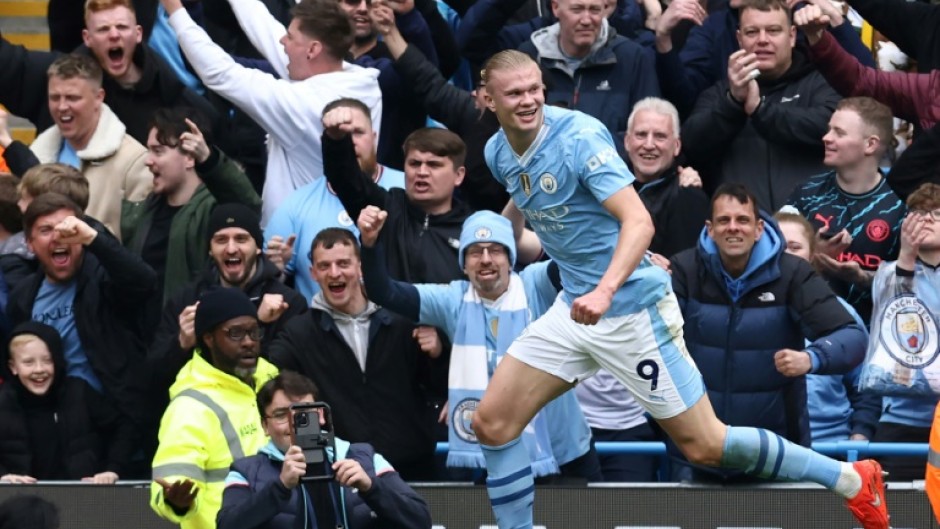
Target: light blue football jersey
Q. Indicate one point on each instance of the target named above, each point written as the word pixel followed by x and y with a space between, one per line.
pixel 559 184
pixel 308 210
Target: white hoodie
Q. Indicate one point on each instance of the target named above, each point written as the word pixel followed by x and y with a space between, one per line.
pixel 290 112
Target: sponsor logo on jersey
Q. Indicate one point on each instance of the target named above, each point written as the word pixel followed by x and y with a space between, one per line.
pixel 601 158
pixel 909 332
pixel 877 230
pixel 463 417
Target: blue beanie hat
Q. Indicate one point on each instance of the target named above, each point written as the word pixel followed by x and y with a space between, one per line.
pixel 486 226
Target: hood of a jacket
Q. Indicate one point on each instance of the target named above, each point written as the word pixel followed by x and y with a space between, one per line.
pixel 762 266
pixel 105 141
pixel 800 67
pixel 546 41
pixel 319 302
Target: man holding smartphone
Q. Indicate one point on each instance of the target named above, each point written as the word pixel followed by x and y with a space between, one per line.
pixel 262 490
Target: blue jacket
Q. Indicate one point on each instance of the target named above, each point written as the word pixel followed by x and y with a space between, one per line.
pixel 255 498
pixel 734 326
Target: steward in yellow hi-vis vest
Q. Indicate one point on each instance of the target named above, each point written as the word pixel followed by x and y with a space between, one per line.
pixel 213 416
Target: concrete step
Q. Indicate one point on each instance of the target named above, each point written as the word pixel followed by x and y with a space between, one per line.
pixel 23 8
pixel 24 22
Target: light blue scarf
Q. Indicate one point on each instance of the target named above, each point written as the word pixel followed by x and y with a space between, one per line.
pixel 469 376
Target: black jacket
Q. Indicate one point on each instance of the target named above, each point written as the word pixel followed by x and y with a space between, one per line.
pixel 678 213
pixel 421 248
pixel 92 435
pixel 772 151
pixel 165 357
pixel 113 292
pixel 385 405
pixel 917 165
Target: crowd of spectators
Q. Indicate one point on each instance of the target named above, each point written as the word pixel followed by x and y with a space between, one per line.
pixel 184 226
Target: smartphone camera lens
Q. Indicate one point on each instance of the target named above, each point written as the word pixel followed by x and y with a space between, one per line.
pixel 301 420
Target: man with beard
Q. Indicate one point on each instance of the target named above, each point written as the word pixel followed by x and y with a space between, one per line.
pixel 481 316
pixel 213 417
pixel 94 292
pixel 315 206
pixel 136 82
pixel 403 112
pixel 236 262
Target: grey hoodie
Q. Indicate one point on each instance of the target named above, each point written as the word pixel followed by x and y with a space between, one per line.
pixel 353 328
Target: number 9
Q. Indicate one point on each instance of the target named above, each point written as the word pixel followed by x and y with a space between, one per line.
pixel 649 370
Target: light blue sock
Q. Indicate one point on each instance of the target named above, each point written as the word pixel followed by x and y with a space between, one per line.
pixel 510 484
pixel 767 455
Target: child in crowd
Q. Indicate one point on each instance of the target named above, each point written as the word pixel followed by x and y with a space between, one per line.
pixel 53 426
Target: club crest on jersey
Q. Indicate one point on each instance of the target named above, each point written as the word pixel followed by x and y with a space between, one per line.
pixel 909 332
pixel 548 183
pixel 343 219
pixel 482 233
pixel 463 417
pixel 526 184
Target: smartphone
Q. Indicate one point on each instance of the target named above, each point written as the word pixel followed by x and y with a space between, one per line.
pixel 312 430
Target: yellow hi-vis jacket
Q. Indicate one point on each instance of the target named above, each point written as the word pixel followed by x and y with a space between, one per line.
pixel 212 420
pixel 932 479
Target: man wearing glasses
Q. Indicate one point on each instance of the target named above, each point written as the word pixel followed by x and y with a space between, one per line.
pixel 212 419
pixel 265 490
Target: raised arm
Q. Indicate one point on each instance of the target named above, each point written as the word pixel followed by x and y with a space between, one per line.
pixel 263 31
pixel 397 296
pixel 354 188
pixel 905 93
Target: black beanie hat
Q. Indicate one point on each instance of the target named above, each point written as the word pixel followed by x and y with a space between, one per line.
pixel 219 305
pixel 45 333
pixel 236 216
